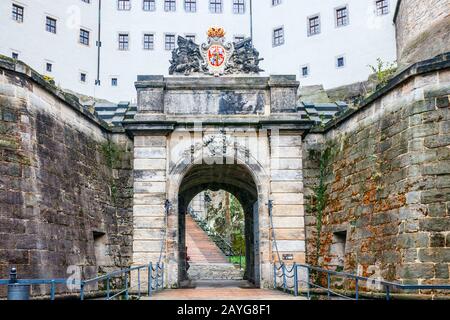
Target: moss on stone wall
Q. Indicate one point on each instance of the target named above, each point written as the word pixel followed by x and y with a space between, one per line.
pixel 318 202
pixel 112 153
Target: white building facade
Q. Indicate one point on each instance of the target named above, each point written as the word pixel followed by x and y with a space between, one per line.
pixel 97 48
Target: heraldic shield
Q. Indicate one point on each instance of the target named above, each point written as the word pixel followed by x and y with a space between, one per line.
pixel 216 57
pixel 216 52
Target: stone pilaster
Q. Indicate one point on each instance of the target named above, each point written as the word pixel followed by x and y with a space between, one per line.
pixel 150 161
pixel 286 186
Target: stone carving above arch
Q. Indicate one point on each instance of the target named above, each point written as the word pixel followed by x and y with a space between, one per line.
pixel 216 149
pixel 217 145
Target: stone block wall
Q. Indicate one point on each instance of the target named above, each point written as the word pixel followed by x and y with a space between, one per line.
pixel 377 185
pixel 150 154
pixel 65 183
pixel 423 29
pixel 286 185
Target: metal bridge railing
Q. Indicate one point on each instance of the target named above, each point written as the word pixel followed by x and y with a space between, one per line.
pixel 24 286
pixel 290 279
pixel 155 282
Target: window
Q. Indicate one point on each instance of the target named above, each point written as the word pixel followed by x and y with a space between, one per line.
pixel 215 6
pixel 276 2
pixel 48 67
pixel 382 7
pixel 114 82
pixel 238 6
pixel 83 77
pixel 170 5
pixel 50 25
pixel 149 5
pixel 305 71
pixel 313 25
pixel 149 41
pixel 278 37
pixel 341 17
pixel 15 55
pixel 170 41
pixel 340 62
pixel 123 5
pixel 190 5
pixel 238 39
pixel 190 37
pixel 84 37
pixel 17 13
pixel 123 41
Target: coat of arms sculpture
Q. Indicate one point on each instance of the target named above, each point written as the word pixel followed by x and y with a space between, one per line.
pixel 216 57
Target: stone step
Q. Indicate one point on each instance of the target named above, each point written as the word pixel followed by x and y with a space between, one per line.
pixel 214 271
pixel 200 248
pixel 220 242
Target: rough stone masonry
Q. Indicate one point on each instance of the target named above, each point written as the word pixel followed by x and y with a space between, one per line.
pixel 384 174
pixel 65 183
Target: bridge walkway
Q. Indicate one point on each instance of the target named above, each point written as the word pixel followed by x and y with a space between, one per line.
pixel 222 290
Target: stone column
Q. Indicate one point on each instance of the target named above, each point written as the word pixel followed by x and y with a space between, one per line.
pixel 286 186
pixel 150 162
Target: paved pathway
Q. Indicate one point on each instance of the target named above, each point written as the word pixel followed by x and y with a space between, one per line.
pixel 201 248
pixel 222 290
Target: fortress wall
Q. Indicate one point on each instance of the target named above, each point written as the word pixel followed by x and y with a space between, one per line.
pixel 65 183
pixel 385 171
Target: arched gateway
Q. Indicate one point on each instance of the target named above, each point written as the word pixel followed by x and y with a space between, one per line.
pixel 235 132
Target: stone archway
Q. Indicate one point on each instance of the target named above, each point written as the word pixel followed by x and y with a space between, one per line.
pixel 237 180
pixel 244 177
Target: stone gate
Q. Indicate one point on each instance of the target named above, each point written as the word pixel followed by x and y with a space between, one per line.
pixel 241 134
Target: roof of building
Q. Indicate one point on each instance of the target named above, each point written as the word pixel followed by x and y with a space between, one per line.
pixel 321 112
pixel 115 114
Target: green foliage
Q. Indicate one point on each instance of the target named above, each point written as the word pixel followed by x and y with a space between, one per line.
pixel 112 154
pixel 234 231
pixel 383 71
pixel 114 192
pixel 49 79
pixel 320 191
pixel 339 269
pixel 323 121
pixel 237 225
pixel 238 260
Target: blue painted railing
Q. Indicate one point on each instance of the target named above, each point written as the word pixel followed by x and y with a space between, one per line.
pixel 155 282
pixel 282 274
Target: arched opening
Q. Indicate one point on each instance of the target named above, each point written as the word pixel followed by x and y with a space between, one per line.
pixel 239 182
pixel 215 237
